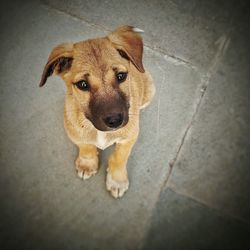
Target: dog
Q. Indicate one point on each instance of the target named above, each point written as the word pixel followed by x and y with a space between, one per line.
pixel 107 86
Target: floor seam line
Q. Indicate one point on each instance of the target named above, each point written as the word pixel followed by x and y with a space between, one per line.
pixel 173 189
pixel 223 44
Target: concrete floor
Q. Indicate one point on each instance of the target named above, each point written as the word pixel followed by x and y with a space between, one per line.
pixel 189 171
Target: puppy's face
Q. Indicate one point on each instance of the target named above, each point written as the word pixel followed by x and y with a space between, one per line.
pixel 97 73
pixel 100 83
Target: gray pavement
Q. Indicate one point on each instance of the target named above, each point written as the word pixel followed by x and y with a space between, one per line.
pixel 189 171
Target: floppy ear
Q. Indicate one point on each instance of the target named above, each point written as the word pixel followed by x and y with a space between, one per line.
pixel 60 60
pixel 128 42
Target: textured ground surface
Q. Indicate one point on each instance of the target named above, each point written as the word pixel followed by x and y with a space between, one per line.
pixel 189 171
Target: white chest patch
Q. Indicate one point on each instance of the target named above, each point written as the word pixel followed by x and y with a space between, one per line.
pixel 101 140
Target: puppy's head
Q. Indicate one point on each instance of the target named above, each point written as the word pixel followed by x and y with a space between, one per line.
pixel 97 74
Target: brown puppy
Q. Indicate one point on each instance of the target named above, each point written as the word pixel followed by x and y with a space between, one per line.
pixel 106 88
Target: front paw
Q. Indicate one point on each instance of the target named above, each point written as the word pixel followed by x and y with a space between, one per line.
pixel 86 167
pixel 117 188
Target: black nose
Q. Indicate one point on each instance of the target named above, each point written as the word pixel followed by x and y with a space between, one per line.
pixel 113 120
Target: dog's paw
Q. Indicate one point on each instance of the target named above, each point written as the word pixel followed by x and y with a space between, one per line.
pixel 116 188
pixel 86 167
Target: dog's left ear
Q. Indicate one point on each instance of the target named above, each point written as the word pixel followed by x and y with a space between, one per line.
pixel 128 42
pixel 59 61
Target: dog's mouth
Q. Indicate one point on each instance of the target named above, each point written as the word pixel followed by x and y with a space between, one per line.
pixel 109 122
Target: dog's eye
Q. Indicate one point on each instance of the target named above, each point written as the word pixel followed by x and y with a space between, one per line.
pixel 82 85
pixel 121 76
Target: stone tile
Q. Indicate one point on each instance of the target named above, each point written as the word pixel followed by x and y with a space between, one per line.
pixel 213 165
pixel 184 29
pixel 42 189
pixel 29 36
pixel 181 223
pixel 45 206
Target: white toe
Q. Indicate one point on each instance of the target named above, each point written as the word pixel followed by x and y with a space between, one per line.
pixel 87 175
pixel 80 173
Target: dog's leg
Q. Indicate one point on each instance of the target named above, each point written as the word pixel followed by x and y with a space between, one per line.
pixel 117 178
pixel 87 161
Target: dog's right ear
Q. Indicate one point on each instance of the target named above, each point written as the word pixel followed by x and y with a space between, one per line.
pixel 59 61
